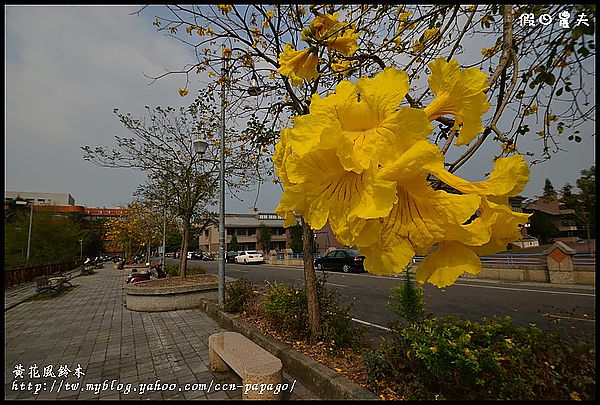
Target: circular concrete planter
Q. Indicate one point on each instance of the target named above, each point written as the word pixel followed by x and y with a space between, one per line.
pixel 168 298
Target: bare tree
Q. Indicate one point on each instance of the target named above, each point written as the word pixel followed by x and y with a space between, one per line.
pixel 178 177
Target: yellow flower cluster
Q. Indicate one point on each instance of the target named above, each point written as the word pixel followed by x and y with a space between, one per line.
pixel 225 8
pixel 429 35
pixel 362 164
pixel 489 52
pixel 325 30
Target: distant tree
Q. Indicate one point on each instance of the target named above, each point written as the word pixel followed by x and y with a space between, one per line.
pixel 542 228
pixel 587 196
pixel 133 233
pixel 233 245
pixel 584 201
pixel 296 243
pixel 264 236
pixel 549 189
pixel 54 238
pixel 567 197
pixel 162 147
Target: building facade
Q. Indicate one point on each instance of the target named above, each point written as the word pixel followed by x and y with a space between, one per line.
pixel 247 228
pixel 64 205
pixel 40 198
pixel 564 219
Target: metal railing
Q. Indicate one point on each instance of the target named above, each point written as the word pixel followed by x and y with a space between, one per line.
pixel 512 260
pixel 584 260
pixel 13 277
pixel 580 260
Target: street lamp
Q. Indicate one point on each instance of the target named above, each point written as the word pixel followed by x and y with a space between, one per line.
pixel 81 249
pixel 30 224
pixel 200 147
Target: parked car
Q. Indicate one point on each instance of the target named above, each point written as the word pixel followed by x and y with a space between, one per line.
pixel 346 260
pixel 230 257
pixel 249 256
pixel 194 256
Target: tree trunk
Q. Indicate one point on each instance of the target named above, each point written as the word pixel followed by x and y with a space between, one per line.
pixel 310 282
pixel 184 249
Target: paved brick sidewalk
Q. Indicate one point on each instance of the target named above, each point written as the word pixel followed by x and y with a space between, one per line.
pixel 120 349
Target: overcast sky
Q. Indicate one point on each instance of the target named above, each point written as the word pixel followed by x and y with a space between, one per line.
pixel 68 67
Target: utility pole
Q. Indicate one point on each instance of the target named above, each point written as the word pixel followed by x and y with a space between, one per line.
pixel 29 235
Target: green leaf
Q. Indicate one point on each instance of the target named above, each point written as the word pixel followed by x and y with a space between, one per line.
pixel 583 51
pixel 559 92
pixel 550 79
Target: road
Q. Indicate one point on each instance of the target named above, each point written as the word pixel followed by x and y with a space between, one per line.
pixel 544 305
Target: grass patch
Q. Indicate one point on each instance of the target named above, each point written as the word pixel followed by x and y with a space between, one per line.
pixel 172 270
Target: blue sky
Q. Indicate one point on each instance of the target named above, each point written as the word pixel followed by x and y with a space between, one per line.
pixel 68 67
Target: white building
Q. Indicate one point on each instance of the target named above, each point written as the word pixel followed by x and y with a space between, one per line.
pixel 40 198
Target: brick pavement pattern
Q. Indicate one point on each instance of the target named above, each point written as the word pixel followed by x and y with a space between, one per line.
pixel 116 348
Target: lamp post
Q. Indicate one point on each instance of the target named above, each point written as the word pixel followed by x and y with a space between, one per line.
pixel 81 249
pixel 164 241
pixel 30 225
pixel 200 147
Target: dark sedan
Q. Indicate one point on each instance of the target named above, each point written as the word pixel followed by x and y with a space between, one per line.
pixel 230 257
pixel 346 260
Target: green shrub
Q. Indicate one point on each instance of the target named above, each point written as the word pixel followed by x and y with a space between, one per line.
pixel 492 359
pixel 237 294
pixel 195 272
pixel 286 307
pixel 406 300
pixel 172 270
pixel 339 330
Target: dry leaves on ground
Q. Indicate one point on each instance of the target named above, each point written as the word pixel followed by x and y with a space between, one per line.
pixel 347 362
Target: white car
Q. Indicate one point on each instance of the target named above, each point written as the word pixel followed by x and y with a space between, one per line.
pixel 249 256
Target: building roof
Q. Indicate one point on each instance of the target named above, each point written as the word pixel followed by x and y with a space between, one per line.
pixel 549 205
pixel 251 220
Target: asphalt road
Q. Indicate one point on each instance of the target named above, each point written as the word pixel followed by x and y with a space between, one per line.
pixel 547 306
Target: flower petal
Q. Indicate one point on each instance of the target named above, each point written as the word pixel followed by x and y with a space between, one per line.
pixel 450 260
pixel 384 92
pixel 509 177
pixel 345 44
pixel 419 159
pixel 330 190
pixel 391 256
pixel 505 228
pixel 420 219
pixel 308 131
pixel 460 93
pixel 298 65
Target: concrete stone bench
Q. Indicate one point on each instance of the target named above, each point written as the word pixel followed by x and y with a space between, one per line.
pixel 256 366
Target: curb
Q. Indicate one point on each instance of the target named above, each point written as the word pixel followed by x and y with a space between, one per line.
pixel 314 376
